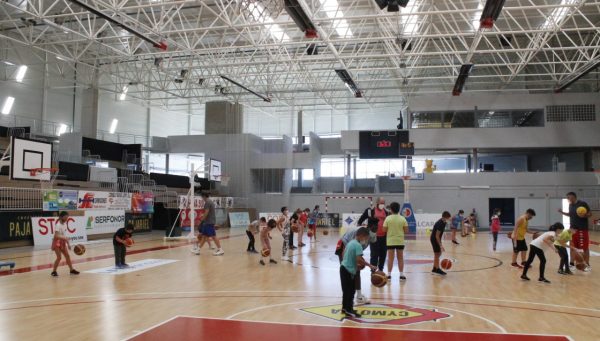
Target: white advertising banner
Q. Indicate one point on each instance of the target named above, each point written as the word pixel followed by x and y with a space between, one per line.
pixel 119 201
pixel 104 221
pixel 350 220
pixel 90 200
pixel 43 230
pixel 184 202
pixel 272 215
pixel 426 220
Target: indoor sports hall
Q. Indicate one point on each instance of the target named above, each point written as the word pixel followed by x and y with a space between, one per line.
pixel 290 170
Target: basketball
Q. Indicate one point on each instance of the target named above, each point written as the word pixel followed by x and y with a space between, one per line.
pixel 79 249
pixel 309 233
pixel 378 279
pixel 265 252
pixel 325 232
pixel 129 242
pixel 446 264
pixel 581 211
pixel 536 234
pixel 580 266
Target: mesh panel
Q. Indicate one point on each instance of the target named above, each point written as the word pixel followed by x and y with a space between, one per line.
pixel 571 113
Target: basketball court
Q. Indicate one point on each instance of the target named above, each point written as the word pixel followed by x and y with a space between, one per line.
pixel 233 296
pixel 134 131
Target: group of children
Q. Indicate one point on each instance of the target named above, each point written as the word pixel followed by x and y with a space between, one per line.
pixel 466 225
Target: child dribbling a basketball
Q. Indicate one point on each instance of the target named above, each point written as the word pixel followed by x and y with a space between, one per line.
pixel 60 244
pixel 265 239
pixel 119 245
pixel 352 263
pixel 436 242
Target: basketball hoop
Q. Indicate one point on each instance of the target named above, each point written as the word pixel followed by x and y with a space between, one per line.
pixel 45 175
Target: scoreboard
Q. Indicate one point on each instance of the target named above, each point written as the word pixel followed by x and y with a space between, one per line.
pixel 385 144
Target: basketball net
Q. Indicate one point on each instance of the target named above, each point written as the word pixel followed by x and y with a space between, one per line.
pixel 45 175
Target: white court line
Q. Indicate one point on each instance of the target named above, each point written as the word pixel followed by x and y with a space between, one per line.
pixel 268 306
pixel 300 291
pixel 152 327
pixel 387 327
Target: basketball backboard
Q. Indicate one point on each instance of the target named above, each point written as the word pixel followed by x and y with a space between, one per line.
pixel 27 155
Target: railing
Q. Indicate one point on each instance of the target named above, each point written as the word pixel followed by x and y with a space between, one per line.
pixel 20 199
pixel 36 126
pixel 123 138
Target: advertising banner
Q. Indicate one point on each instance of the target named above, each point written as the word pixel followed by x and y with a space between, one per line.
pixel 90 200
pixel 43 230
pixel 142 202
pixel 425 221
pixel 119 201
pixel 141 222
pixel 185 218
pixel 239 219
pixel 408 213
pixel 104 221
pixel 271 215
pixel 16 225
pixel 55 200
pixel 328 220
pixel 184 202
pixel 350 220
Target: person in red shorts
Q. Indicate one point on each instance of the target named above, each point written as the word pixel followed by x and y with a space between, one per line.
pixel 581 238
pixel 303 222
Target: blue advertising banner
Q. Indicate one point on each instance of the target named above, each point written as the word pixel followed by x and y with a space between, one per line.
pixel 409 214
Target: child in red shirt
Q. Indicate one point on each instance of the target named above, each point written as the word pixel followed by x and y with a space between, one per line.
pixel 495 227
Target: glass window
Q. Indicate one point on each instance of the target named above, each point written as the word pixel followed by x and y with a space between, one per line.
pixel 333 167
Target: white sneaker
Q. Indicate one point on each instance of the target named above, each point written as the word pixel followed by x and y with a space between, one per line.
pixel 587 269
pixel 362 300
pixel 195 251
pixel 285 258
pixel 219 252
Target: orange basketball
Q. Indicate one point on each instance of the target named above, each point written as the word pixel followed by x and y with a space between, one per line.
pixel 446 264
pixel 295 228
pixel 580 266
pixel 309 233
pixel 325 232
pixel 79 249
pixel 129 242
pixel 581 211
pixel 378 279
pixel 265 252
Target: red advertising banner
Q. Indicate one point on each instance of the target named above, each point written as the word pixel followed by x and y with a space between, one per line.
pixel 185 217
pixel 142 202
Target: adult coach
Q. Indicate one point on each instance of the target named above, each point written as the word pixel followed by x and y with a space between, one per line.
pixel 581 238
pixel 375 217
pixel 208 224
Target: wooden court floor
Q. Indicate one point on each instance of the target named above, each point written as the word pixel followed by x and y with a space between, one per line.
pixel 481 294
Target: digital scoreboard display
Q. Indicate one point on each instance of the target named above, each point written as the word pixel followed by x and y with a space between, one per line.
pixel 382 144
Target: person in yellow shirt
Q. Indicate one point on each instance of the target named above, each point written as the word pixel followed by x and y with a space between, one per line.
pixel 518 237
pixel 395 226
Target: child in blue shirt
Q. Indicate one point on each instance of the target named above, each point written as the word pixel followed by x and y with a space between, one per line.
pixel 352 263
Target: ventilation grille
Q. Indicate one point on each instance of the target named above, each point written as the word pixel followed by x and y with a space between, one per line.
pixel 571 113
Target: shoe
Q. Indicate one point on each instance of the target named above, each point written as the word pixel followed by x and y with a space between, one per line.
pixel 516 265
pixel 438 272
pixel 301 245
pixel 402 278
pixel 195 251
pixel 54 274
pixel 361 300
pixel 272 261
pixel 568 272
pixel 525 278
pixel 285 259
pixel 262 262
pixel 352 313
pixel 219 252
pixel 571 264
pixel 543 280
pixel 587 269
pixel 389 276
pixel 455 242
pixel 524 264
pixel 293 247
pixel 254 251
pixel 74 272
pixel 560 272
pixel 125 265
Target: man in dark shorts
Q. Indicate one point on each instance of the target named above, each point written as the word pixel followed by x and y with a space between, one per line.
pixel 208 225
pixel 436 242
pixel 581 238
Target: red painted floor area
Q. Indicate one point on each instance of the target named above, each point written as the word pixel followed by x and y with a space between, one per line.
pixel 189 328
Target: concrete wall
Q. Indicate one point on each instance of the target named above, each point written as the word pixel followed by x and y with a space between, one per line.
pixel 439 192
